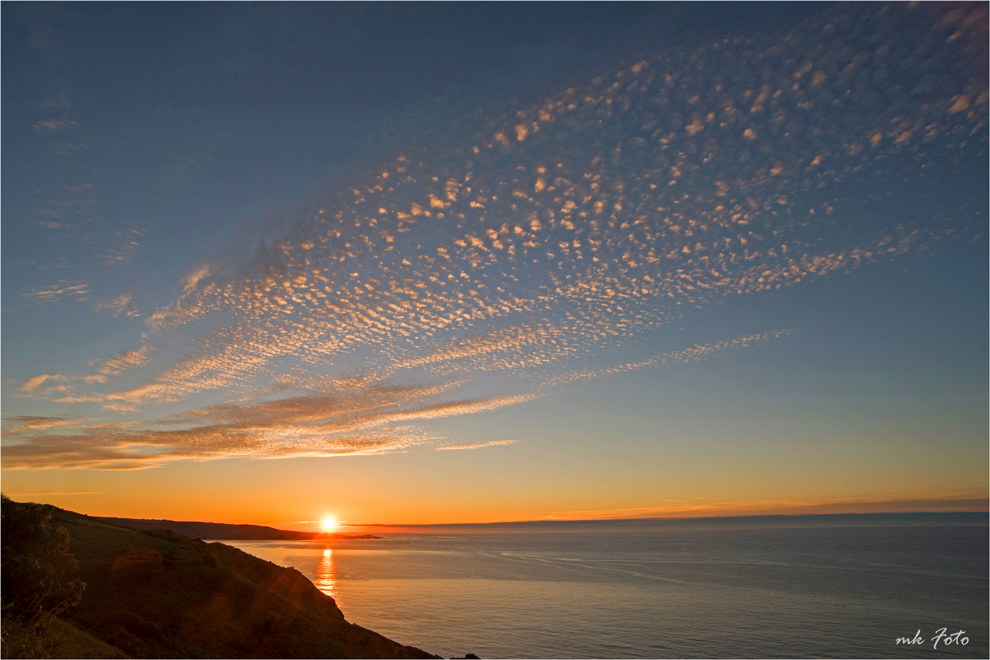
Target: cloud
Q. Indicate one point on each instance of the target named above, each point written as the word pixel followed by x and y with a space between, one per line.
pixel 330 424
pixel 54 125
pixel 119 407
pixel 332 418
pixel 121 362
pixel 58 102
pixel 82 187
pixel 524 243
pixel 86 203
pixel 686 356
pixel 493 443
pixel 122 247
pixel 119 305
pixel 23 423
pixel 77 290
pixel 193 278
pixel 66 148
pixel 32 384
pixel 63 209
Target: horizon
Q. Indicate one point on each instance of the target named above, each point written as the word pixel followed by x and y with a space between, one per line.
pixel 979 509
pixel 277 264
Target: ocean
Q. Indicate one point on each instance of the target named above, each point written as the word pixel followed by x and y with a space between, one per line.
pixel 664 591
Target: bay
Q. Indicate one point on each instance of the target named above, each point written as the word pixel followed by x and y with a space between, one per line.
pixel 659 592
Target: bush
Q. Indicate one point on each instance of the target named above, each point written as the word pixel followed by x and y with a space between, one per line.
pixel 36 566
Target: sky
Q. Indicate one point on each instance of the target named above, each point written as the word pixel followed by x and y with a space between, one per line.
pixel 449 263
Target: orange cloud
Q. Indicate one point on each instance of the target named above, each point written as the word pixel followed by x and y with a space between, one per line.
pixel 349 415
pixel 332 423
pixel 64 289
pixel 493 443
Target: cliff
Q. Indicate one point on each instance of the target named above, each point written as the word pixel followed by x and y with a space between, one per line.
pixel 160 594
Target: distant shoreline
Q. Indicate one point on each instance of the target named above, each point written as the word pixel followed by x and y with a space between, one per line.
pixel 231 532
pixel 228 532
pixel 631 524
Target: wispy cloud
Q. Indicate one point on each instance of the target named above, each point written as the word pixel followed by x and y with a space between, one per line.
pixel 341 417
pixel 21 423
pixel 32 384
pixel 331 424
pixel 121 305
pixel 122 246
pixel 66 148
pixel 493 443
pixel 64 209
pixel 120 363
pixel 77 290
pixel 688 355
pixel 53 125
pixel 58 102
pixel 83 203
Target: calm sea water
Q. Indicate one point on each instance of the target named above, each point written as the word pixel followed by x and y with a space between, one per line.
pixel 745 592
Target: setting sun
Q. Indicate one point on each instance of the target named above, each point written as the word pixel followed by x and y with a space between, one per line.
pixel 329 524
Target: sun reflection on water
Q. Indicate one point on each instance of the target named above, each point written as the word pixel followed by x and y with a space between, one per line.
pixel 326 576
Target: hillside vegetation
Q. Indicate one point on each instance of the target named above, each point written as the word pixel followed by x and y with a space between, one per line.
pixel 160 594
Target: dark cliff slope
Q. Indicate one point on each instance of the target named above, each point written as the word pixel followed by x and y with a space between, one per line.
pixel 159 594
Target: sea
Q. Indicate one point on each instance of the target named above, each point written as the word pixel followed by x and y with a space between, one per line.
pixel 832 587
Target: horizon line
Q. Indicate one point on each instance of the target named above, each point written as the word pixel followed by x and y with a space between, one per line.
pixel 676 518
pixel 908 507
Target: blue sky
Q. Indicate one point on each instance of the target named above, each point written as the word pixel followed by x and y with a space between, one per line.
pixel 651 254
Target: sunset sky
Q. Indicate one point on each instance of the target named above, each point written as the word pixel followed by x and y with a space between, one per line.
pixel 422 263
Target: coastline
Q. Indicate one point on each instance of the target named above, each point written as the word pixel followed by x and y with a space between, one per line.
pixel 161 594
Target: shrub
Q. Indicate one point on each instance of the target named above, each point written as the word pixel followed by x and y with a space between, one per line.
pixel 36 566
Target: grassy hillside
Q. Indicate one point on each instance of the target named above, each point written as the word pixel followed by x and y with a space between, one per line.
pixel 59 640
pixel 159 594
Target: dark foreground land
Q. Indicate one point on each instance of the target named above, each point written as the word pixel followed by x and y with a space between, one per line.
pixel 160 594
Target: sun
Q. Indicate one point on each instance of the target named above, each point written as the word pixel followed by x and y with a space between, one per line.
pixel 329 524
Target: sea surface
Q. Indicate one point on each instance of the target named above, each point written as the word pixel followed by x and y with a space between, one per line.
pixel 660 592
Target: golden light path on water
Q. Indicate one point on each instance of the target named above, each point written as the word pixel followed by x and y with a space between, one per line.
pixel 326 576
pixel 527 245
